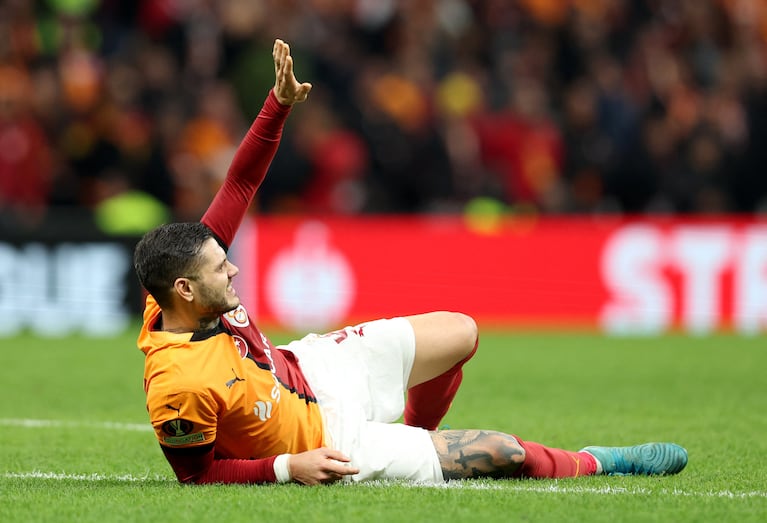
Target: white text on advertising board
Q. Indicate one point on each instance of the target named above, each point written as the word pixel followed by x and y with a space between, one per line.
pixel 53 291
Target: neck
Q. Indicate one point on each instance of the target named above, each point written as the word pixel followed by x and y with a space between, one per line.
pixel 171 324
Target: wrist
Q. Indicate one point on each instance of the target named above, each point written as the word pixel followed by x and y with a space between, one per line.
pixel 283 104
pixel 282 468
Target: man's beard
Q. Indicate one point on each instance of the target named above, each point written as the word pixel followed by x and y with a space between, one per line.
pixel 216 305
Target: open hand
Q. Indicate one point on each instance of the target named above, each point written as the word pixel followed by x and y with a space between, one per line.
pixel 287 89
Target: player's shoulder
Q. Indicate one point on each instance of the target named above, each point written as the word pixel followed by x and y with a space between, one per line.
pixel 169 379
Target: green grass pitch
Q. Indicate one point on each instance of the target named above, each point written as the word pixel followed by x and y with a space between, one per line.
pixel 76 444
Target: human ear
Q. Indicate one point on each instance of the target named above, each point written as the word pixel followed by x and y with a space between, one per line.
pixel 183 287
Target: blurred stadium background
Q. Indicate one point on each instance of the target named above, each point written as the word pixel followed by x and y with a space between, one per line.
pixel 555 163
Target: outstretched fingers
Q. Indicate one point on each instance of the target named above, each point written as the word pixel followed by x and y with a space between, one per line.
pixel 286 88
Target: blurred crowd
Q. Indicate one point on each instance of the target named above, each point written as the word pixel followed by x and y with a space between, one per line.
pixel 539 106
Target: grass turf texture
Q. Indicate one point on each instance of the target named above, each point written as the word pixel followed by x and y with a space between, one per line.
pixel 76 445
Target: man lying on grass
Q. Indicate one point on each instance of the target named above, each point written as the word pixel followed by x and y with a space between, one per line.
pixel 228 406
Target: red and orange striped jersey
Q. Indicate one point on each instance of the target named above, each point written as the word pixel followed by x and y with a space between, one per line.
pixel 229 386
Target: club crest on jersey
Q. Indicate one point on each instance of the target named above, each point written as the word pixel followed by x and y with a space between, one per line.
pixel 241 345
pixel 238 317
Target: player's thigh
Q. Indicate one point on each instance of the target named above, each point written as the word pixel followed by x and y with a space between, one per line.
pixel 442 339
pixel 395 451
pixel 366 365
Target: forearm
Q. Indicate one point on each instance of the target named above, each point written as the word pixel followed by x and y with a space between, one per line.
pixel 259 145
pixel 200 467
pixel 312 467
pixel 247 171
pixel 239 471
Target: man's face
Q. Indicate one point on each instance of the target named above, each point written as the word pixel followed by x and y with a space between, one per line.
pixel 214 294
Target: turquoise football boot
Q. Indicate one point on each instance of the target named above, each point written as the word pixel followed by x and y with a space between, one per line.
pixel 648 459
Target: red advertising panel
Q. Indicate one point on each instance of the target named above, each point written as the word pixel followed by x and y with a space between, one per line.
pixel 620 276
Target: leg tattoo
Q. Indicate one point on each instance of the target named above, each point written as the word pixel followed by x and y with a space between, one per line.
pixel 477 454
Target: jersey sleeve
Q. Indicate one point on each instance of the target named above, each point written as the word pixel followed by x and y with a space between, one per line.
pixel 185 426
pixel 247 171
pixel 199 465
pixel 183 419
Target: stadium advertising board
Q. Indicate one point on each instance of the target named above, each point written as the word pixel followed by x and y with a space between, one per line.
pixel 55 289
pixel 621 276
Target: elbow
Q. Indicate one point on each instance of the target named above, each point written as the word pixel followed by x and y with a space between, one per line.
pixel 195 479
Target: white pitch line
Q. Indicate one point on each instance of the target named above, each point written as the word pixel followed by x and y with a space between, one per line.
pixel 60 476
pixel 470 485
pixel 527 486
pixel 52 423
pixel 642 491
pixel 480 485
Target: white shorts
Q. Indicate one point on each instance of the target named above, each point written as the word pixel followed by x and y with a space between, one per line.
pixel 359 375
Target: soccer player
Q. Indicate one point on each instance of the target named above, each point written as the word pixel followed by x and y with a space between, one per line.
pixel 228 406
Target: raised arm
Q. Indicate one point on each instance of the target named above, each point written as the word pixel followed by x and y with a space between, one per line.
pixel 257 149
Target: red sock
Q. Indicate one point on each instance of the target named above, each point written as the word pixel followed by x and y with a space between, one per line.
pixel 428 402
pixel 546 462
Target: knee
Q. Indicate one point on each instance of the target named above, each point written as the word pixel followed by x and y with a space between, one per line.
pixel 515 455
pixel 445 336
pixel 468 333
pixel 509 454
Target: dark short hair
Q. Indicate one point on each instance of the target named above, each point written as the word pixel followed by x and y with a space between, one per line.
pixel 166 253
